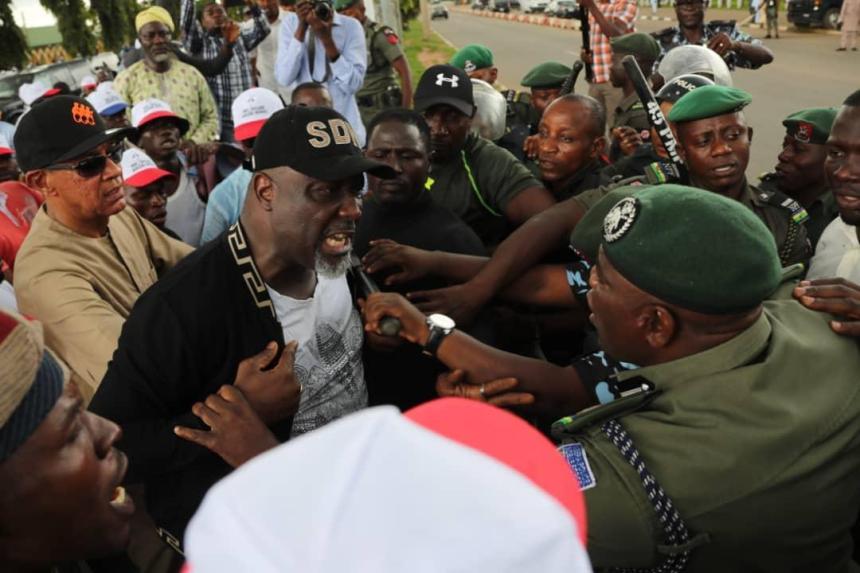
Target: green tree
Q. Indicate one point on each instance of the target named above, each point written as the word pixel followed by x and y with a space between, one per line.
pixel 13 44
pixel 72 17
pixel 409 10
pixel 116 20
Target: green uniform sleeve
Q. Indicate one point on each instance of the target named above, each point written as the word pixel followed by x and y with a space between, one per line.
pixel 622 524
pixel 500 177
pixel 388 44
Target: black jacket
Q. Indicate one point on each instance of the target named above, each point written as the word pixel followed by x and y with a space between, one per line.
pixel 183 340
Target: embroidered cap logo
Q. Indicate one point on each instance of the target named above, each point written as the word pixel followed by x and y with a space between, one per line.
pixel 619 220
pixel 441 79
pixel 804 132
pixel 83 114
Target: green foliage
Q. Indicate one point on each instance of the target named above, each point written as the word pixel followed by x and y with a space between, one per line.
pixel 422 53
pixel 409 9
pixel 116 20
pixel 13 45
pixel 72 21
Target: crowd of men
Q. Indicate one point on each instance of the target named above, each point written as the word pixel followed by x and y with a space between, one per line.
pixel 266 307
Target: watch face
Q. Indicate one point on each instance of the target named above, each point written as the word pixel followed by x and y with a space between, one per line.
pixel 442 321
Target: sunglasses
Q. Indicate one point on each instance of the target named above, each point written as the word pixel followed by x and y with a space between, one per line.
pixel 89 167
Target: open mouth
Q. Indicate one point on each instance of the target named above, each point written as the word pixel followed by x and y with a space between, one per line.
pixel 337 244
pixel 120 501
pixel 847 202
pixel 725 170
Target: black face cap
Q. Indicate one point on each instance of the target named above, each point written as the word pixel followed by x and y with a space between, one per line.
pixel 445 85
pixel 680 86
pixel 59 129
pixel 315 141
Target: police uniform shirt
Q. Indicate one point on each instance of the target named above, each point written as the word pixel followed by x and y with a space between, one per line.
pixel 383 47
pixel 631 113
pixel 756 443
pixel 586 178
pixel 821 212
pixel 785 218
pixel 673 37
pixel 477 185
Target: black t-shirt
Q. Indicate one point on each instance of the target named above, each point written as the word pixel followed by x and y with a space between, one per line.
pixel 407 377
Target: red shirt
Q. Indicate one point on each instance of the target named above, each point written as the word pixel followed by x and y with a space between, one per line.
pixel 18 206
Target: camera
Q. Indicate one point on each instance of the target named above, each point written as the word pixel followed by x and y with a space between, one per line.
pixel 322 9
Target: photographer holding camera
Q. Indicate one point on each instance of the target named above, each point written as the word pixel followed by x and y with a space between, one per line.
pixel 319 45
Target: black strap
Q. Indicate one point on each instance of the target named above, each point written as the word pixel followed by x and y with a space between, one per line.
pixel 677 534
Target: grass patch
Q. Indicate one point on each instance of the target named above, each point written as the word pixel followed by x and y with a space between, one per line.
pixel 422 53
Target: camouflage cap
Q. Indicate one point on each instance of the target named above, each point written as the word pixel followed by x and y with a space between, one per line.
pixel 811 125
pixel 546 75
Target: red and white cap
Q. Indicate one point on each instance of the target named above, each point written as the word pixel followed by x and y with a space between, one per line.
pixel 453 485
pixel 138 170
pixel 149 110
pixel 89 82
pixel 251 110
pixel 5 147
pixel 32 91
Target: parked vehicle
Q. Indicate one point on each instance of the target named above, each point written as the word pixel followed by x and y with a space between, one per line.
pixel 439 11
pixel 500 5
pixel 534 6
pixel 478 5
pixel 562 9
pixel 805 13
pixel 515 5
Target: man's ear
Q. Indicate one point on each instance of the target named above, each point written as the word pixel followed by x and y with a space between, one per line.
pixel 598 147
pixel 494 75
pixel 749 134
pixel 676 132
pixel 38 180
pixel 264 190
pixel 659 325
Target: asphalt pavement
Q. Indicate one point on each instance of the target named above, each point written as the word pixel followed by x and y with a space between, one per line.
pixel 806 71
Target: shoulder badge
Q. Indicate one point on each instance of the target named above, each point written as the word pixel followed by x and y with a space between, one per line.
pixel 779 199
pixel 620 218
pixel 390 35
pixel 575 456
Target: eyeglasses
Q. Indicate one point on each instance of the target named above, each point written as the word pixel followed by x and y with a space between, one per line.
pixel 91 166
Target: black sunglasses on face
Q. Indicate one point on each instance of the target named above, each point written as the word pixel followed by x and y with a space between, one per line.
pixel 89 167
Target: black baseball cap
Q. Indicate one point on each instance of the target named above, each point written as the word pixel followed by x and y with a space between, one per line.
pixel 680 86
pixel 59 129
pixel 315 141
pixel 444 84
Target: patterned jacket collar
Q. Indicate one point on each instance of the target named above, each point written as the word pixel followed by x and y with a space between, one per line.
pixel 241 251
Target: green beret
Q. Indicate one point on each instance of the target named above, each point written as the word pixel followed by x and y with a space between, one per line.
pixel 811 125
pixel 588 233
pixel 546 75
pixel 692 248
pixel 638 44
pixel 343 4
pixel 709 101
pixel 473 57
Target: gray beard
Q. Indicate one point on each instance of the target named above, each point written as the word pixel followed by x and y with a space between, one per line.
pixel 330 268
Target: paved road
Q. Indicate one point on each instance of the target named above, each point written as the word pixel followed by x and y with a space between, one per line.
pixel 806 71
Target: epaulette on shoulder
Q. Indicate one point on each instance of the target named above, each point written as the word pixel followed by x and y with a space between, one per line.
pixel 783 201
pixel 596 415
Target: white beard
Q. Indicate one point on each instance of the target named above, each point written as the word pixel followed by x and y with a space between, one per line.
pixel 330 268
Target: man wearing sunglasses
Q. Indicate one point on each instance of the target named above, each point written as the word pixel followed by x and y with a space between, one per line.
pixel 87 258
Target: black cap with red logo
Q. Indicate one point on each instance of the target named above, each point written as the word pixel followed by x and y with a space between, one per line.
pixel 59 129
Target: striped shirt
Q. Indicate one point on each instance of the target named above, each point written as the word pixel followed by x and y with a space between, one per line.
pixel 623 10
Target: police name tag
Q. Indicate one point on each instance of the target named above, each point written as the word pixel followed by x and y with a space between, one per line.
pixel 574 454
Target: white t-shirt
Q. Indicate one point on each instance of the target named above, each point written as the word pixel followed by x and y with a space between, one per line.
pixel 267 53
pixel 837 253
pixel 328 359
pixel 186 211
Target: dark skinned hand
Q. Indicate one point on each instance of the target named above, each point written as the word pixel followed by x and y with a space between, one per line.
pixel 275 393
pixel 834 296
pixel 628 139
pixel 197 154
pixel 459 302
pixel 235 433
pixel 230 31
pixel 721 44
pixel 531 146
pixel 413 323
pixel 585 56
pixel 303 10
pixel 379 342
pixel 496 392
pixel 384 254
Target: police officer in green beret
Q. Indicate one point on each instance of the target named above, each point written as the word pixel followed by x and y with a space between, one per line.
pixel 714 141
pixel 799 172
pixel 477 61
pixel 544 82
pixel 384 57
pixel 630 111
pixel 710 451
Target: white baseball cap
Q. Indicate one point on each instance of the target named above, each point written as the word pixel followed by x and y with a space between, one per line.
pixel 452 485
pixel 5 147
pixel 105 85
pixel 151 109
pixel 139 170
pixel 107 101
pixel 30 92
pixel 251 110
pixel 89 82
